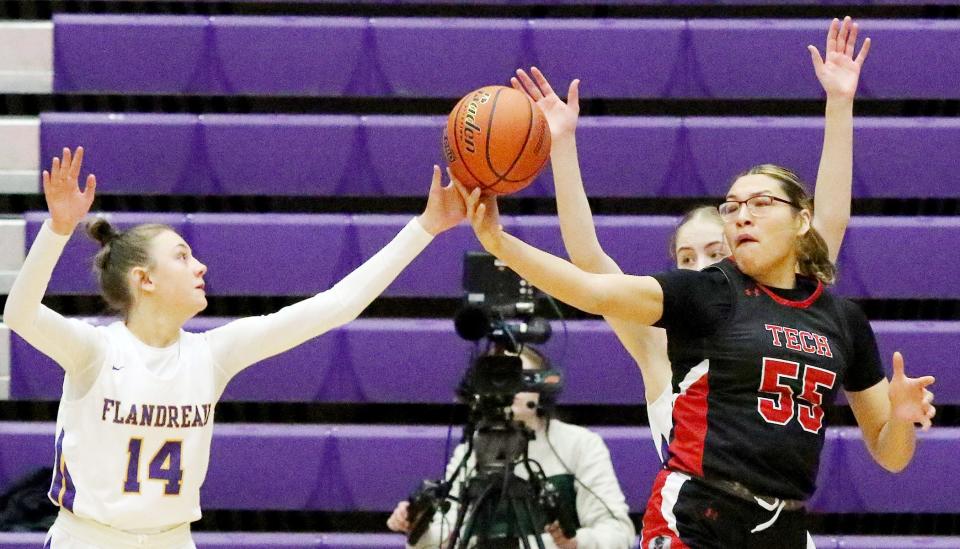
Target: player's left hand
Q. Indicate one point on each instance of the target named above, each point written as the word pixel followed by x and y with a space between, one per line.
pixel 839 71
pixel 559 539
pixel 445 207
pixel 909 398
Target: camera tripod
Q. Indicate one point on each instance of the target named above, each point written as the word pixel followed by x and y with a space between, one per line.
pixel 504 510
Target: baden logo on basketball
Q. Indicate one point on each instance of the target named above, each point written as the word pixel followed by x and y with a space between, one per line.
pixel 470 128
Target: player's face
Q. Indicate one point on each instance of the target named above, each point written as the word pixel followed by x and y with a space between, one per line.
pixel 522 410
pixel 176 275
pixel 763 239
pixel 700 243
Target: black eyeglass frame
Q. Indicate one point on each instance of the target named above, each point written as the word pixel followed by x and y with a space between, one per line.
pixel 750 208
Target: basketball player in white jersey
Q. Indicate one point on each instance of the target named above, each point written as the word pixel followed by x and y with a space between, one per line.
pixel 136 416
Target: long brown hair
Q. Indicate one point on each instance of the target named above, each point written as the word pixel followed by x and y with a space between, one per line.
pixel 119 252
pixel 813 256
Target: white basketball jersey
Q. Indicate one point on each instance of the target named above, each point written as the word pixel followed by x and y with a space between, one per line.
pixel 132 453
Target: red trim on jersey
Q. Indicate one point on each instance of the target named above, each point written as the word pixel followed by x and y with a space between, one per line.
pixel 690 428
pixel 654 524
pixel 790 303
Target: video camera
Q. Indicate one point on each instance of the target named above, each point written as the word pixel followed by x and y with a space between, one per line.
pixel 501 307
pixel 498 305
pixel 505 509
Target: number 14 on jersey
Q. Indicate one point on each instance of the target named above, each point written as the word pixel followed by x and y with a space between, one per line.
pixel 165 466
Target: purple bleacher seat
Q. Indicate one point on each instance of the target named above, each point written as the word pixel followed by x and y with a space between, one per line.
pixel 437 57
pixel 720 148
pixel 281 155
pixel 244 251
pixel 397 156
pixel 307 56
pixel 725 62
pixel 872 263
pixel 630 157
pixel 339 155
pixel 132 54
pixel 613 57
pixel 24 447
pixel 341 467
pixel 213 55
pixel 297 253
pixel 421 360
pixel 152 155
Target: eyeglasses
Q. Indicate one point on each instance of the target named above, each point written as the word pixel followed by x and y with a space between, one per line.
pixel 758 206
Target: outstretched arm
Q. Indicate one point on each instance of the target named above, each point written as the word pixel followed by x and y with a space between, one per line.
pixel 73 344
pixel 646 345
pixel 249 340
pixel 839 74
pixel 636 298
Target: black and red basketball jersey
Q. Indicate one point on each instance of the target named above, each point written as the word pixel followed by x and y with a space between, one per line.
pixel 753 369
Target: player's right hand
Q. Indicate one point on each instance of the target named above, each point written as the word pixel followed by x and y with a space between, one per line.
pixel 561 117
pixel 484 217
pixel 445 207
pixel 66 203
pixel 398 520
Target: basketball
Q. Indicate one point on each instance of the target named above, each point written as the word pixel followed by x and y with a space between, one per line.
pixel 497 139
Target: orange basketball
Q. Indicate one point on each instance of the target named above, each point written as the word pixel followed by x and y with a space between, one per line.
pixel 496 139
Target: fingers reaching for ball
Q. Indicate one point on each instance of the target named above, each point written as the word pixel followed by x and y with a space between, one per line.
pixel 484 216
pixel 445 207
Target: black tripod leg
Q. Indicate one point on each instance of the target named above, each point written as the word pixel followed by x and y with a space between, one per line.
pixel 454 536
pixel 533 526
pixel 520 529
pixel 469 526
pixel 461 514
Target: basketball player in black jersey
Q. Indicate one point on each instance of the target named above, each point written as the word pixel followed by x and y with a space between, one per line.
pixel 758 348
